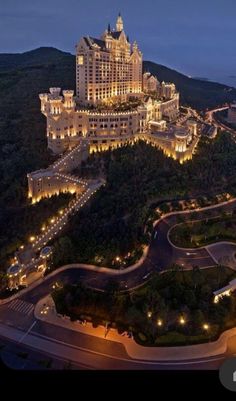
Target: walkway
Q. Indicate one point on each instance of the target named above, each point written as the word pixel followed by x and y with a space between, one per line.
pixel 45 311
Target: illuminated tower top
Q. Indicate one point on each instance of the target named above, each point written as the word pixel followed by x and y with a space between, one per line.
pixel 119 24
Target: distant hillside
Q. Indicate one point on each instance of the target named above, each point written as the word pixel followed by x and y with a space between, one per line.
pixel 194 92
pixel 42 55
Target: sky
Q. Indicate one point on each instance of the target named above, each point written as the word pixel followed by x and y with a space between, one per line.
pixel 196 37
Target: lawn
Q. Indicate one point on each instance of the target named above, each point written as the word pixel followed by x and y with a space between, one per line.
pixel 200 233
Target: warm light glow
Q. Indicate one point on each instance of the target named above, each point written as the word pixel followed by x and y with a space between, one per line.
pixel 52 220
pixel 149 314
pixel 206 326
pixel 159 323
pixel 32 239
pixel 182 320
pixel 43 228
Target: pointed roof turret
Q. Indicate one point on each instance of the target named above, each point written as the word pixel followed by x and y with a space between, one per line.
pixel 119 23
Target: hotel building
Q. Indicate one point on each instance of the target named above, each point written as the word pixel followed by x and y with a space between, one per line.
pixel 115 103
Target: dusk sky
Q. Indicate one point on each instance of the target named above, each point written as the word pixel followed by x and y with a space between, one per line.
pixel 194 37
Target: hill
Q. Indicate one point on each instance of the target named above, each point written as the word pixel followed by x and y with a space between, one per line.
pixel 42 55
pixel 22 127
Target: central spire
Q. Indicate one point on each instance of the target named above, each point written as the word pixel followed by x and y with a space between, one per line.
pixel 119 23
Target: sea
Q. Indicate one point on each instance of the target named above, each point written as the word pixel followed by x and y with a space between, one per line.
pixel 229 80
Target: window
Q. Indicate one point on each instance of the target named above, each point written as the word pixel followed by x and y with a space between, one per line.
pixel 80 60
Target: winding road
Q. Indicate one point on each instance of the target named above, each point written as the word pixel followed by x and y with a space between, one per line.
pixel 17 318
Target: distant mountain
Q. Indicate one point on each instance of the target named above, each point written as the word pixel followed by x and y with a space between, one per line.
pixel 42 55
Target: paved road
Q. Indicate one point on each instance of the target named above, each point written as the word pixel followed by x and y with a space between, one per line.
pixel 92 351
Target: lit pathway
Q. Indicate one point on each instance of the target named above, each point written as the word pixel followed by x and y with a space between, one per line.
pixel 58 223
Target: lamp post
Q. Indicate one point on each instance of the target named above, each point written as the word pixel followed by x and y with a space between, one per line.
pixel 206 328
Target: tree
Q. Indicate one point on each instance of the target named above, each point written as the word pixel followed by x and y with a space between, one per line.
pixel 63 252
pixel 198 319
pixel 196 276
pixel 220 273
pixel 190 298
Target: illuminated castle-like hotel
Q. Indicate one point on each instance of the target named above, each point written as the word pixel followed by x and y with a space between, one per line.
pixel 115 103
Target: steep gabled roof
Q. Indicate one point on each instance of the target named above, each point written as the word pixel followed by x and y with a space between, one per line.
pixel 94 41
pixel 115 34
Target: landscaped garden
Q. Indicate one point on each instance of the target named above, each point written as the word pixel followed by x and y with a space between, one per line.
pixel 174 308
pixel 193 234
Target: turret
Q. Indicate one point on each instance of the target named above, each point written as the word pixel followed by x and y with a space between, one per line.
pixel 119 24
pixel 69 101
pixel 55 92
pixel 181 137
pixel 44 103
pixel 135 46
pixel 55 101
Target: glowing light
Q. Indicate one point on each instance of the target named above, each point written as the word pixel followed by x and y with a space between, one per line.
pixel 159 322
pixel 43 228
pixel 206 326
pixel 32 239
pixel 52 220
pixel 149 314
pixel 182 320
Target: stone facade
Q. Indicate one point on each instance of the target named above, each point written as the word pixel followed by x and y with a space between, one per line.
pixel 109 68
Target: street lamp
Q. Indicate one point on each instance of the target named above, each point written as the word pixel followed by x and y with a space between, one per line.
pixel 159 322
pixel 182 321
pixel 149 315
pixel 206 327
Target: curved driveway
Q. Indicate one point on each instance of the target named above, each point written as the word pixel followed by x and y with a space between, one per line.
pixel 160 256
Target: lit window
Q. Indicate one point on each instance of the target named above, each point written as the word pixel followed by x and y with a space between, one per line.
pixel 80 60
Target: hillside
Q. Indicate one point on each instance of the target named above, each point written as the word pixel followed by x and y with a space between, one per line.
pixel 22 127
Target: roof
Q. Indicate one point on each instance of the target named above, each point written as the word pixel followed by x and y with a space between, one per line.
pixel 93 41
pixel 230 287
pixel 115 34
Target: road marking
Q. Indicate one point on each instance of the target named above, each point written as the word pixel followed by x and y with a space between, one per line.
pixel 26 308
pixel 197 257
pixel 28 331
